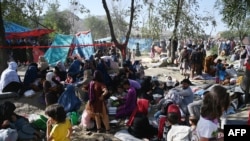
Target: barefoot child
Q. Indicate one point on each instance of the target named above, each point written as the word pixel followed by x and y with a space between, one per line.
pixel 58 126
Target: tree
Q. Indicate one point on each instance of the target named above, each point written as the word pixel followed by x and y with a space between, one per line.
pixel 121 46
pixel 14 10
pixel 154 26
pixel 118 16
pixel 34 9
pixel 183 17
pixel 3 52
pixel 228 34
pixel 214 24
pixel 24 12
pixel 97 25
pixel 53 19
pixel 236 15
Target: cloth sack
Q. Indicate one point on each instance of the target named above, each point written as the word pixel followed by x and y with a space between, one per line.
pixel 8 134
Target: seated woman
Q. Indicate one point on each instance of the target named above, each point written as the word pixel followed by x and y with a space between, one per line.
pixel 52 89
pixel 156 88
pixel 129 101
pixel 31 77
pixel 209 64
pixel 60 70
pixel 43 66
pixel 10 81
pixel 139 123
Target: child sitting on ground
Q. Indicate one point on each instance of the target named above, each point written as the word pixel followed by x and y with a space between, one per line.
pixel 69 79
pixel 177 132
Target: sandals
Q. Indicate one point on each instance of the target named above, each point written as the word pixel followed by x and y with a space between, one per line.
pixel 108 131
pixel 98 131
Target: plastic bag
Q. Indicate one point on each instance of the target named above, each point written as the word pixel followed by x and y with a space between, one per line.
pixel 86 120
pixel 29 93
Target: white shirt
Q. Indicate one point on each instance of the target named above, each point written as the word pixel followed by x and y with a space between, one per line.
pixel 207 128
pixel 179 133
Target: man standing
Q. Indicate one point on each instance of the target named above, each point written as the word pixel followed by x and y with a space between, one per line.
pixel 245 83
pixel 243 56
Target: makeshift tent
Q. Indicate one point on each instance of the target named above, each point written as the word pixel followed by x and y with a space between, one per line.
pixel 81 44
pixel 11 27
pixel 59 49
pixel 31 33
pixel 13 30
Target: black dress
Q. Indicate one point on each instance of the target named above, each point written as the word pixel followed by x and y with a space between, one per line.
pixel 141 128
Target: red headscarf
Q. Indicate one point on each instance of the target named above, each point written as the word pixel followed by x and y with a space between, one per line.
pixel 142 107
pixel 174 109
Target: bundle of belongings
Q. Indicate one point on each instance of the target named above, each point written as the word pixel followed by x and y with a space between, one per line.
pixel 235 91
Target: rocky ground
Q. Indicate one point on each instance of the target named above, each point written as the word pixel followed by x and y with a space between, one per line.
pixel 26 106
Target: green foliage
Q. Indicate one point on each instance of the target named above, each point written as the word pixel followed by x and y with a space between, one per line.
pixel 15 11
pixel 97 25
pixel 118 16
pixel 53 19
pixel 229 34
pixel 185 16
pixel 236 15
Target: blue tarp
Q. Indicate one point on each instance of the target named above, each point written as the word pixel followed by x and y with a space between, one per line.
pixel 144 43
pixel 83 39
pixel 60 47
pixel 58 53
pixel 11 27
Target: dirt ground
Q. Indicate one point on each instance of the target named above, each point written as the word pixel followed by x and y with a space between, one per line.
pixel 26 106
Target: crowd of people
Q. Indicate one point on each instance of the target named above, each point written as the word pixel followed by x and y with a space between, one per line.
pixel 89 82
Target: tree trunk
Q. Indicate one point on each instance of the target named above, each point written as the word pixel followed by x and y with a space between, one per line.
pixel 3 51
pixel 176 23
pixel 121 46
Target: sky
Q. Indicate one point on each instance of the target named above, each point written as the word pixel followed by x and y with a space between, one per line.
pixel 96 8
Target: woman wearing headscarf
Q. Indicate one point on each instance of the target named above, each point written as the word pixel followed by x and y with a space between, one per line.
pixel 103 67
pixel 43 66
pixel 10 81
pixel 209 64
pixel 60 70
pixel 97 91
pixel 138 124
pixel 128 101
pixel 81 86
pixel 31 77
pixel 52 89
pixel 75 68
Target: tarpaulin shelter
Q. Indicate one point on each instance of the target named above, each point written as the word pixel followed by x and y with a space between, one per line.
pixel 11 27
pixel 13 30
pixel 81 44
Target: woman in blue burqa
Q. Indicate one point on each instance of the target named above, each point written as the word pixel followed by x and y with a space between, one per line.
pixel 102 66
pixel 75 68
